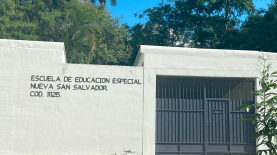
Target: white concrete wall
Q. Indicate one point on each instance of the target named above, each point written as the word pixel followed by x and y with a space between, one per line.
pixel 93 122
pixel 185 62
pixel 80 122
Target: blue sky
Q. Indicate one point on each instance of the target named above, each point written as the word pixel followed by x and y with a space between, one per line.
pixel 127 8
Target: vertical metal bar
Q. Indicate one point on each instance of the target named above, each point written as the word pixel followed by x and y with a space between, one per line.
pixel 244 91
pixel 235 123
pixel 248 128
pixel 249 124
pixel 240 89
pixel 210 121
pixel 201 116
pixel 193 113
pixel 245 132
pixel 187 114
pixel 216 122
pixel 227 122
pixel 205 121
pixel 229 104
pixel 157 126
pixel 197 115
pixel 223 122
pixel 176 126
pixel 212 89
pixel 215 90
pixel 168 135
pixel 213 120
pixel 220 121
pixel 252 89
pixel 249 93
pixel 184 115
pixel 172 114
pixel 190 118
pixel 179 149
pixel 169 113
pixel 241 126
pixel 227 90
pixel 238 124
pixel 237 92
pixel 158 100
pixel 177 113
pixel 207 87
pixel 222 95
pixel 162 115
pixel 244 140
pixel 216 116
pixel 165 114
pixel 180 114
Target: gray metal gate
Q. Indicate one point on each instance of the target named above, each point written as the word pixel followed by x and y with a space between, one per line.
pixel 199 117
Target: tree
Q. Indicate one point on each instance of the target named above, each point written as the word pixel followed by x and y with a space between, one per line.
pixel 194 23
pixel 257 33
pixel 30 20
pixel 102 3
pixel 265 120
pixel 93 36
pixel 212 20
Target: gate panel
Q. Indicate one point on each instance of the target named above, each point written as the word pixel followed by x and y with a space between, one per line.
pixel 199 116
pixel 180 125
pixel 217 121
pixel 242 132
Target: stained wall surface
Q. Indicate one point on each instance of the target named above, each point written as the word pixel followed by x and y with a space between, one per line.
pixel 49 107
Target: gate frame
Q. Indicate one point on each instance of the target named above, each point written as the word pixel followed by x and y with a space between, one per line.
pixel 205 102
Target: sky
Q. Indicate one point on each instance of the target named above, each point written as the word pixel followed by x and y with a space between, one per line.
pixel 127 8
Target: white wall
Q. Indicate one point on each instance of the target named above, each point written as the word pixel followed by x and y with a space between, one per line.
pixel 80 122
pixel 90 122
pixel 176 61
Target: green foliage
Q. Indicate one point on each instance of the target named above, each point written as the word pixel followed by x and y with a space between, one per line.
pixel 31 19
pixel 91 35
pixel 161 29
pixel 259 32
pixel 197 23
pixel 102 3
pixel 266 111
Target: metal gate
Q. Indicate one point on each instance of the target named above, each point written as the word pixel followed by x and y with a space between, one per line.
pixel 199 117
